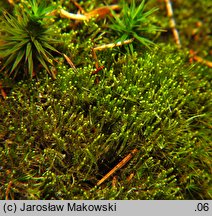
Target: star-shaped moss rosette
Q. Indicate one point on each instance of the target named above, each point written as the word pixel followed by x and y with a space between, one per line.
pixel 26 41
pixel 133 22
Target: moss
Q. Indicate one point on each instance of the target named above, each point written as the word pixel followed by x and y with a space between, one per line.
pixel 59 138
pixel 63 137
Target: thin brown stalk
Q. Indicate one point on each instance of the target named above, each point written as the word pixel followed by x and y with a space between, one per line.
pixel 98 12
pixel 70 62
pixel 203 61
pixel 3 93
pixel 8 190
pixel 11 2
pixel 111 45
pixel 129 178
pixel 114 181
pixel 118 166
pixel 66 14
pixel 78 6
pixel 95 58
pixel 101 12
pixel 172 22
pixel 199 59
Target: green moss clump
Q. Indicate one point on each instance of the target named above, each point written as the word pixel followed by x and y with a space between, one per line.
pixel 59 138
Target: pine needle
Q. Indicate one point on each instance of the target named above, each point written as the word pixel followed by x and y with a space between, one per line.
pixel 118 166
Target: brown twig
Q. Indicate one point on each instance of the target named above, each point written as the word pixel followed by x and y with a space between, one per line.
pixel 101 12
pixel 11 2
pixel 203 61
pixel 129 178
pixel 70 62
pixel 8 190
pixel 106 46
pixel 66 14
pixel 114 181
pixel 97 78
pixel 3 93
pixel 98 12
pixel 118 166
pixel 97 70
pixel 78 6
pixel 95 58
pixel 200 59
pixel 172 22
pixel 111 45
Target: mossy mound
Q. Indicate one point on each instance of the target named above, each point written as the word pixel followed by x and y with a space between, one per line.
pixel 58 138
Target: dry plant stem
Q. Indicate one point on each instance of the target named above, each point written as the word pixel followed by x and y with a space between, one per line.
pixel 99 12
pixel 129 178
pixel 107 46
pixel 3 93
pixel 70 62
pixel 78 6
pixel 8 190
pixel 111 45
pixel 11 2
pixel 118 166
pixel 172 22
pixel 114 181
pixel 203 61
pixel 96 66
pixel 65 14
pixel 95 58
